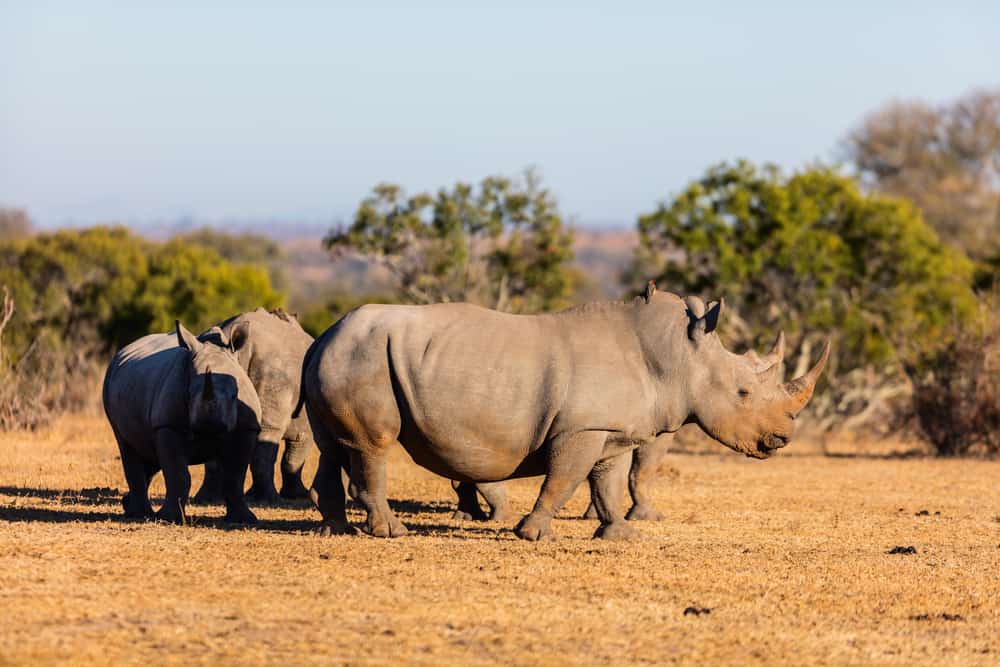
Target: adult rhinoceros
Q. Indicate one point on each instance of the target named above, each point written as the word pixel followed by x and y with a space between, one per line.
pixel 480 396
pixel 273 361
pixel 174 400
pixel 646 463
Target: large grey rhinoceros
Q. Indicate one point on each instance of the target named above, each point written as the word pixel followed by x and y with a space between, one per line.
pixel 273 361
pixel 643 470
pixel 175 400
pixel 481 396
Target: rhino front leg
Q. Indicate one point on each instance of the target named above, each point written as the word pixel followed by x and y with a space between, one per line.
pixel 235 460
pixel 172 456
pixel 211 486
pixel 292 462
pixel 645 467
pixel 265 455
pixel 607 488
pixel 368 475
pixel 571 458
pixel 591 511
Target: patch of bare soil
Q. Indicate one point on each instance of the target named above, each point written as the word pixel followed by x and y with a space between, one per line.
pixel 786 561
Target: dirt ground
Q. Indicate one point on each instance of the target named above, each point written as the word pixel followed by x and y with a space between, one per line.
pixel 788 555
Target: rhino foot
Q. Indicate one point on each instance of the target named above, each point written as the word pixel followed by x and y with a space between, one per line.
pixel 535 529
pixel 328 528
pixel 618 530
pixel 379 525
pixel 241 515
pixel 591 512
pixel 172 513
pixel 470 514
pixel 502 514
pixel 135 509
pixel 294 490
pixel 644 513
pixel 263 495
pixel 207 496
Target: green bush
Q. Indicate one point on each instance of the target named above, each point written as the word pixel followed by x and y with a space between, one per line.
pixel 79 295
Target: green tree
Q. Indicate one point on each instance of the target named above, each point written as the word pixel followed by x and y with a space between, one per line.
pixel 502 244
pixel 812 254
pixel 244 248
pixel 104 287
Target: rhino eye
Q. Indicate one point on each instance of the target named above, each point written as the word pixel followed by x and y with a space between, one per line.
pixel 743 392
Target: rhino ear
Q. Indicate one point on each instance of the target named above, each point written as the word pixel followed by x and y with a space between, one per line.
pixel 240 336
pixel 186 339
pixel 707 323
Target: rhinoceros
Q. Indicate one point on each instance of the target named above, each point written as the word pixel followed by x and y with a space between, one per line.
pixel 645 466
pixel 477 395
pixel 174 400
pixel 273 361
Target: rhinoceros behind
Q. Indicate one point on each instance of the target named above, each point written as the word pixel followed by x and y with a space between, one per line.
pixel 174 400
pixel 480 396
pixel 273 361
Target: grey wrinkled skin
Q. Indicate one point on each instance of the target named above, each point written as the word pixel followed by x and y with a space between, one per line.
pixel 478 396
pixel 174 400
pixel 273 361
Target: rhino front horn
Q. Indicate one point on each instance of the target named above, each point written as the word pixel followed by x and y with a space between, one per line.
pixel 209 393
pixel 800 390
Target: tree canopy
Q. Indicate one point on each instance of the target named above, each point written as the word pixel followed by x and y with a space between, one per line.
pixel 104 287
pixel 501 244
pixel 944 158
pixel 812 254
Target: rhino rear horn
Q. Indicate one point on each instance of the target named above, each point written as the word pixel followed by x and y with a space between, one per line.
pixel 800 390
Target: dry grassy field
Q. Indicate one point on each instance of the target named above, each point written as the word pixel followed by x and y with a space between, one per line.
pixel 789 555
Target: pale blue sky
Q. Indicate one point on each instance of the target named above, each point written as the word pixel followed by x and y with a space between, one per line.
pixel 293 111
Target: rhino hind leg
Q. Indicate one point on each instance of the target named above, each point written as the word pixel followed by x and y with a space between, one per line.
pixel 292 462
pixel 327 492
pixel 138 474
pixel 571 459
pixel 645 467
pixel 495 495
pixel 265 455
pixel 368 475
pixel 607 488
pixel 170 453
pixel 211 487
pixel 468 503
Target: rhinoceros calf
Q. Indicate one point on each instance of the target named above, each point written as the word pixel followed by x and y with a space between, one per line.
pixel 481 396
pixel 174 400
pixel 273 361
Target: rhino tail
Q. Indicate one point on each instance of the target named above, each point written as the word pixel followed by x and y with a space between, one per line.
pixel 302 381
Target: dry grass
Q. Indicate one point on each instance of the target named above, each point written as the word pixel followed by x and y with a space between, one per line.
pixel 789 555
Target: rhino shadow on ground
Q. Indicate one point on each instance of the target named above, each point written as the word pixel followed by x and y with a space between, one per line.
pixel 95 495
pixel 47 515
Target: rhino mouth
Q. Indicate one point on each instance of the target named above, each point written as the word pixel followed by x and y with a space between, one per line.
pixel 769 445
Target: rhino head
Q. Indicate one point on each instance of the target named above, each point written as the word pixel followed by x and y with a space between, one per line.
pixel 741 400
pixel 213 386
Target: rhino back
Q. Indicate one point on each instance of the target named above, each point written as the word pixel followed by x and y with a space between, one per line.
pixel 145 389
pixel 476 390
